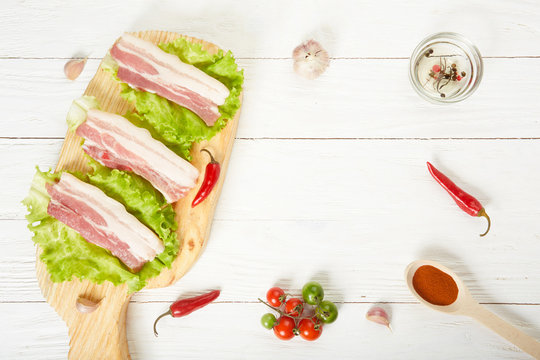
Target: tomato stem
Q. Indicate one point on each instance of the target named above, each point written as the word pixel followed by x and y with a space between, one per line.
pixel 295 318
pixel 273 308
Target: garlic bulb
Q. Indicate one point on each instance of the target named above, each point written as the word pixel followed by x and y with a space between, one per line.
pixel 310 59
pixel 379 316
pixel 73 68
pixel 86 306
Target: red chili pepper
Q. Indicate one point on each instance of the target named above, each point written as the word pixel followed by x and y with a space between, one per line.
pixel 187 306
pixel 466 202
pixel 211 177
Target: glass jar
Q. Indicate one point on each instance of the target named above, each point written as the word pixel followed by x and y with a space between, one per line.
pixel 445 68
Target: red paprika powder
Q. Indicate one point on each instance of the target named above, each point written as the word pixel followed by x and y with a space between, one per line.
pixel 435 286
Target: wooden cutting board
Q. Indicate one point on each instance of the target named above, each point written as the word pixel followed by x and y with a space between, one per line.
pixel 102 333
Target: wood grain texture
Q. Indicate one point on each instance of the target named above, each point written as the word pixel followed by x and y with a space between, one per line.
pixel 352 213
pixel 287 204
pixel 466 305
pixel 355 98
pixel 102 333
pixel 386 28
pixel 418 333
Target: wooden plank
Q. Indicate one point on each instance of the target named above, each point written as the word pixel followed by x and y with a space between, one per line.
pixel 355 212
pixel 354 99
pixel 272 29
pixel 350 337
pixel 383 178
pixel 17 176
pixel 412 219
pixel 367 267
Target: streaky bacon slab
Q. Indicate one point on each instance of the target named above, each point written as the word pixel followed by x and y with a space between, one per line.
pixel 143 65
pixel 116 143
pixel 103 221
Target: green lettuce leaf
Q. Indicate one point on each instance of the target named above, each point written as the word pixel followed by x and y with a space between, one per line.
pixel 78 110
pixel 67 255
pixel 176 126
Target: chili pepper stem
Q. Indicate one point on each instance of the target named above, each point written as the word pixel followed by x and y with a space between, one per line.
pixel 212 160
pixel 159 317
pixel 483 213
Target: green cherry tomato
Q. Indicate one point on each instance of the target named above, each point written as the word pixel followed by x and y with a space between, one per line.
pixel 312 293
pixel 327 312
pixel 268 320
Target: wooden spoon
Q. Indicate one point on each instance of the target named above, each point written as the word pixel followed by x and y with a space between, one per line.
pixel 466 305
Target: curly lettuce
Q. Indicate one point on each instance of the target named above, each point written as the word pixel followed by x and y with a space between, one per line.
pixel 68 255
pixel 65 253
pixel 176 126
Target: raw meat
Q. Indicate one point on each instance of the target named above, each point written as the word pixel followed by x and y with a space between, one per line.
pixel 143 65
pixel 103 221
pixel 116 143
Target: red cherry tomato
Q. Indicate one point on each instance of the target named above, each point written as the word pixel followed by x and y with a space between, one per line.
pixel 310 329
pixel 294 307
pixel 284 329
pixel 275 296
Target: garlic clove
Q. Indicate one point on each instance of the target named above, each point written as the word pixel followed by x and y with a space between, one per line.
pixel 86 306
pixel 74 67
pixel 378 315
pixel 310 59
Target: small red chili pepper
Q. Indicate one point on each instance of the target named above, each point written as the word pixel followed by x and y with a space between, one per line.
pixel 211 177
pixel 187 306
pixel 466 202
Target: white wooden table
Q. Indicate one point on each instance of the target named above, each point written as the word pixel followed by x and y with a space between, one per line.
pixel 327 178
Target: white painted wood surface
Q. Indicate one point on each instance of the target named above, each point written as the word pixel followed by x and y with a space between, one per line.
pixel 327 178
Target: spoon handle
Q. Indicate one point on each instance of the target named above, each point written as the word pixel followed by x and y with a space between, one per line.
pixel 507 331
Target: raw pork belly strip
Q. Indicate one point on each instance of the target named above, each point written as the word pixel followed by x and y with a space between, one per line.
pixel 102 221
pixel 145 66
pixel 118 144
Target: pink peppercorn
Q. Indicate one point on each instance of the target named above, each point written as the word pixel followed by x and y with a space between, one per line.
pixel 436 68
pixel 458 78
